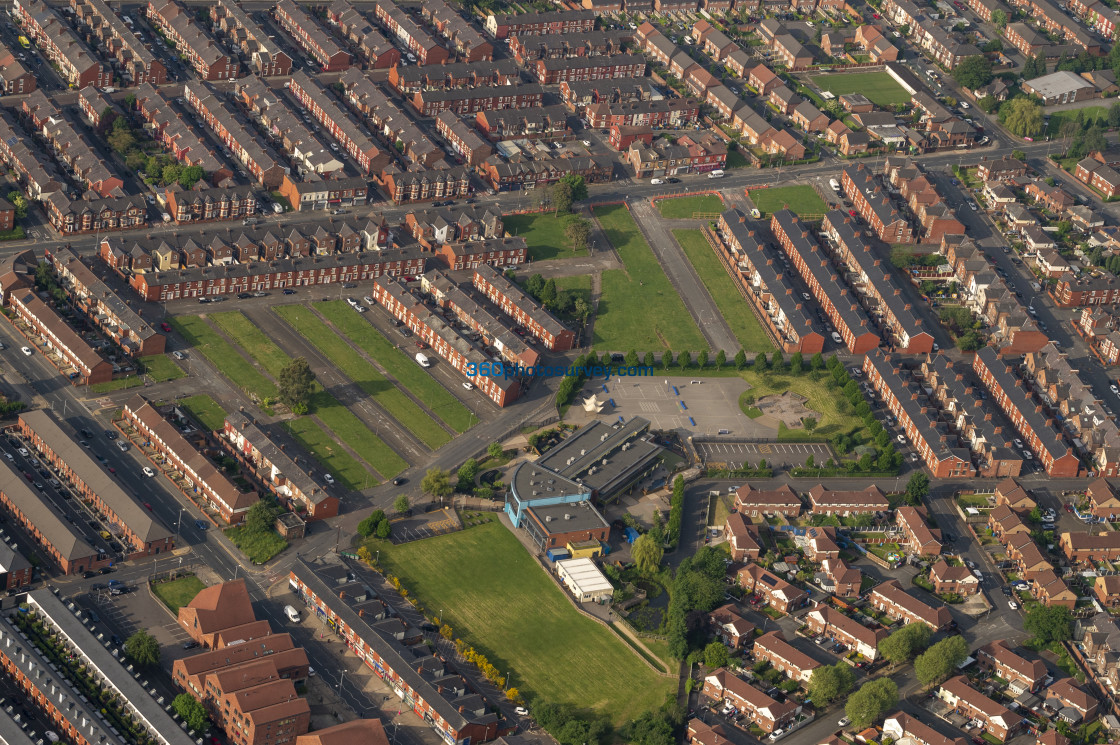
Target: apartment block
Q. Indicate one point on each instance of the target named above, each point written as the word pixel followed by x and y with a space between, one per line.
pixel 311 37
pixel 209 485
pixel 430 327
pixel 425 682
pixel 835 625
pixel 140 533
pixel 190 673
pixel 890 598
pixel 784 657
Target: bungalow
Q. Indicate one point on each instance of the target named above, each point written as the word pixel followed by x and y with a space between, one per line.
pixel 779 594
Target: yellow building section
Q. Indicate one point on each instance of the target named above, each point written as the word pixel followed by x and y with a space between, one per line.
pixel 585 549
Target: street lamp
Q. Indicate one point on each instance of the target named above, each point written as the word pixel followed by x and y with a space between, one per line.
pixel 179 523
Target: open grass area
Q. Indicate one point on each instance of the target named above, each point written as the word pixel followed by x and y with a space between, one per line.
pixel 825 402
pixel 337 461
pixel 880 87
pixel 254 341
pixel 178 592
pixel 498 600
pixel 1087 114
pixel 639 309
pixel 347 359
pixel 544 235
pixel 119 384
pixel 224 356
pixel 206 410
pixel 802 199
pixel 161 367
pixel 350 429
pixel 688 207
pixel 580 284
pixel 732 306
pixel 260 547
pixel 427 389
pixel 736 159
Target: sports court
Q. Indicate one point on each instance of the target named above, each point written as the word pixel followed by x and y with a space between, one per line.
pixel 700 406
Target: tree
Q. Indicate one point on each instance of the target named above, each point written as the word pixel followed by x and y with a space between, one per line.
pixel 796 363
pixel 437 483
pixel 121 139
pixel 296 385
pixel 576 183
pixel 1049 624
pixel 1035 515
pixel 494 450
pixel 632 358
pixel 816 362
pixel 871 702
pixel 810 423
pixel 383 529
pixel 262 516
pixel 715 655
pixel 577 230
pixel 190 175
pixel 940 661
pixel 649 360
pixel 917 489
pixel 561 197
pixel 973 72
pixel 740 360
pixel 999 18
pixel 368 526
pixel 19 202
pixel 170 173
pixel 548 293
pixel 647 553
pixel 1021 116
pixel 721 359
pixel 667 359
pixel 905 644
pixel 534 285
pixel 830 682
pixel 702 359
pixel 142 648
pixel 685 360
pixel 191 711
pixel 544 196
pixel 467 473
pixel 759 363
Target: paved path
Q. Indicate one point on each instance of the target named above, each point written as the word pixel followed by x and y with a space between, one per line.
pixel 683 276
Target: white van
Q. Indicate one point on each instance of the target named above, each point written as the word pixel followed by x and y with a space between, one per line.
pixel 422 360
pixel 718 173
pixel 834 184
pixel 291 613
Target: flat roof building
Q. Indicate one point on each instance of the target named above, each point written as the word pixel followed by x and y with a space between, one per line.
pixel 584 580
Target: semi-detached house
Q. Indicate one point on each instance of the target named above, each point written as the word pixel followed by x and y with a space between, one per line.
pixel 1021 673
pixel 784 657
pixel 890 598
pixel 834 625
pixel 996 718
pixel 768 714
pixel 779 594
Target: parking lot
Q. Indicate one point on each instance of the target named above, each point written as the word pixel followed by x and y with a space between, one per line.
pixel 737 453
pixel 708 406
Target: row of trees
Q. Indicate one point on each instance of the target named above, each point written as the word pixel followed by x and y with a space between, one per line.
pixel 570 384
pixel 697 589
pixel 676 512
pixel 565 302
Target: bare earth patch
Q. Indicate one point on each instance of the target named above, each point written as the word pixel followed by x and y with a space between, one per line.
pixel 788 408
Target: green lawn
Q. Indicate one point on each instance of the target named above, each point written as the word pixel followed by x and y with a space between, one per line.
pixel 206 410
pixel 338 462
pixel 880 87
pixel 732 306
pixel 686 207
pixel 260 546
pixel 373 383
pixel 1087 114
pixel 250 338
pixel 736 159
pixel 543 234
pixel 120 384
pixel 821 399
pixel 639 309
pixel 580 284
pixel 497 599
pixel 802 199
pixel 427 389
pixel 161 367
pixel 178 592
pixel 350 429
pixel 224 356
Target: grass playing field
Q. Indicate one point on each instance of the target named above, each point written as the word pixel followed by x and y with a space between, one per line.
pixel 543 234
pixel 250 338
pixel 880 87
pixel 732 306
pixel 372 382
pixel 224 356
pixel 398 364
pixel 206 410
pixel 802 199
pixel 494 597
pixel 638 308
pixel 688 207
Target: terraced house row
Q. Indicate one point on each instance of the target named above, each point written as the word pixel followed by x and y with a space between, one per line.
pixel 265 56
pixel 245 145
pixel 337 123
pixel 537 321
pixel 206 57
pixel 311 37
pixel 167 127
pixel 77 62
pixel 71 354
pixel 71 146
pixel 528 49
pixel 875 207
pixel 473 100
pixel 547 23
pixel 769 714
pixel 353 25
pixel 494 331
pixel 36 172
pixel 408 80
pixel 411 34
pixel 757 272
pixel 389 121
pixel 454 26
pixel 282 121
pixel 14 77
pixel 138 64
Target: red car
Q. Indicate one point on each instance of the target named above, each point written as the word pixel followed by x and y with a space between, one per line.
pixel 1069 508
pixel 876 16
pixel 421 345
pixel 148 505
pixel 852 213
pixel 165 326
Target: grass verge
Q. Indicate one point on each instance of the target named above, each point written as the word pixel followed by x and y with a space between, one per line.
pixel 427 389
pixel 337 461
pixel 260 547
pixel 495 598
pixel 350 429
pixel 178 592
pixel 734 309
pixel 250 338
pixel 365 376
pixel 687 207
pixel 624 319
pixel 224 356
pixel 206 410
pixel 120 384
